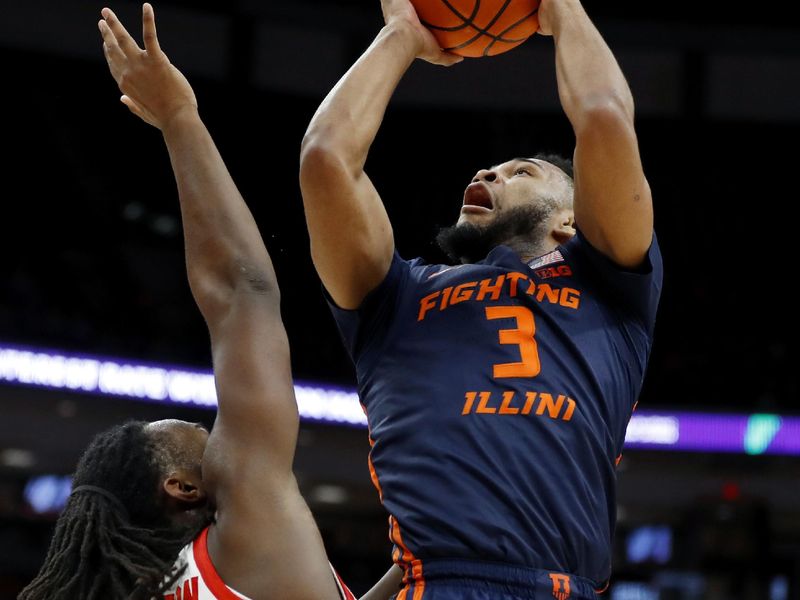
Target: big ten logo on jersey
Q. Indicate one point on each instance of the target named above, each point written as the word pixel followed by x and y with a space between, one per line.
pixel 188 591
pixel 550 272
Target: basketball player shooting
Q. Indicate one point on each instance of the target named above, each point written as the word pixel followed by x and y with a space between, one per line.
pixel 166 509
pixel 498 389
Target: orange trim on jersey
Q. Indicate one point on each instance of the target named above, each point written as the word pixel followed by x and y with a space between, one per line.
pixel 373 474
pixel 397 539
pixel 207 571
pixel 412 565
pixel 419 589
pixel 419 580
pixel 401 554
pixel 604 588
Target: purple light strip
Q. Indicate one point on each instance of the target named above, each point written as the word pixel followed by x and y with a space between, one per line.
pixel 710 432
pixel 153 382
pixel 648 429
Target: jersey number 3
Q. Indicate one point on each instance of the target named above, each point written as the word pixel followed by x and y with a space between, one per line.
pixel 522 336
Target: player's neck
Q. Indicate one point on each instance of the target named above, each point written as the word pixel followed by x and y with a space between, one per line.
pixel 528 249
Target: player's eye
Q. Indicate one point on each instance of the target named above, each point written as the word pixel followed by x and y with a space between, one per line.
pixel 522 171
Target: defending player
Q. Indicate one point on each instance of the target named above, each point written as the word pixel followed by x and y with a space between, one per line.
pixel 166 508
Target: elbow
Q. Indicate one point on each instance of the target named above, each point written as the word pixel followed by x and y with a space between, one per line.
pixel 319 145
pixel 218 290
pixel 326 159
pixel 605 112
pixel 321 159
pixel 316 154
pixel 250 278
pixel 262 285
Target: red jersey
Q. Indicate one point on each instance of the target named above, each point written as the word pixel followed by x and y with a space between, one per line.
pixel 200 580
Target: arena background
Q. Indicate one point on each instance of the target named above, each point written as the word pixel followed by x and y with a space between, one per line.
pixel 93 265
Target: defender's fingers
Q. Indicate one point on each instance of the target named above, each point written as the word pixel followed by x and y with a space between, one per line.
pixel 124 39
pixel 138 111
pixel 132 106
pixel 111 49
pixel 149 28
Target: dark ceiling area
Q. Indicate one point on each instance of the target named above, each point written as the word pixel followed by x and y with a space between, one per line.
pixel 92 253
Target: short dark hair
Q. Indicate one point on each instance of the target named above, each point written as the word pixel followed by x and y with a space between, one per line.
pixel 99 551
pixel 565 164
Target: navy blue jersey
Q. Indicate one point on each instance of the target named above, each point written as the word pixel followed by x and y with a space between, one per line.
pixel 497 396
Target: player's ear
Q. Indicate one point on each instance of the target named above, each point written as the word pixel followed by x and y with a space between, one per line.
pixel 184 487
pixel 564 226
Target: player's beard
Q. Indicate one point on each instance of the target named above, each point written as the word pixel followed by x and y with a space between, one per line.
pixel 469 243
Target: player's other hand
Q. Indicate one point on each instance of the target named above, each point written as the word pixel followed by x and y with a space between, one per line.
pixel 153 89
pixel 401 14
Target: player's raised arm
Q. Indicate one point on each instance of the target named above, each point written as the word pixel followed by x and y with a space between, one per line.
pixel 263 528
pixel 351 237
pixel 613 205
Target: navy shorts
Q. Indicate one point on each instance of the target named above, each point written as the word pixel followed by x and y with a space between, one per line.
pixel 476 580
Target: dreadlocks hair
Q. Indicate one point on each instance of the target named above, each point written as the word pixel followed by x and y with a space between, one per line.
pixel 100 550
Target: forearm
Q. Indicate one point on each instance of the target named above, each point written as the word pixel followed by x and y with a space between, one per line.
pixel 224 249
pixel 348 120
pixel 589 77
pixel 389 585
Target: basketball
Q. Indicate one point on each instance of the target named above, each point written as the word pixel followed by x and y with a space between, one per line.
pixel 476 28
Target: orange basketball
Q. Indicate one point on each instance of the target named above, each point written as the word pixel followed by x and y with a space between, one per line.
pixel 477 28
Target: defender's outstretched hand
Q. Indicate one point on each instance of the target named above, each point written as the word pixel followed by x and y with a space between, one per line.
pixel 153 89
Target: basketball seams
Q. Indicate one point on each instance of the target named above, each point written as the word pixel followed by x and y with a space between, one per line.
pixel 494 40
pixel 466 21
pixel 499 37
pixel 470 21
pixel 480 31
pixel 496 17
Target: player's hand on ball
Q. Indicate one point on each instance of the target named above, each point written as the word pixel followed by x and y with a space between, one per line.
pixel 153 88
pixel 401 14
pixel 547 11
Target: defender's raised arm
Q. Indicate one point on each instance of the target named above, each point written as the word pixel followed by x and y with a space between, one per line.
pixel 263 529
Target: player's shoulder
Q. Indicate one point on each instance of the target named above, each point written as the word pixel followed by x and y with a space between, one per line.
pixel 578 246
pixel 418 267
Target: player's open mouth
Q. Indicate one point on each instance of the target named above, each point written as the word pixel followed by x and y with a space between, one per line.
pixel 477 198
